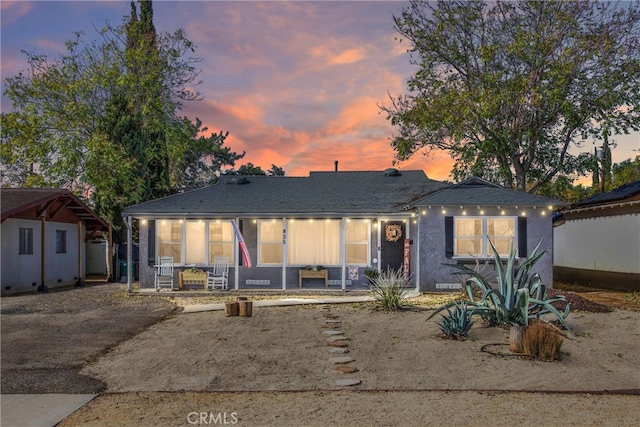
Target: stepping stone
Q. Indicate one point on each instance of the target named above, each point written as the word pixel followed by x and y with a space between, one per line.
pixel 338 344
pixel 341 359
pixel 330 316
pixel 348 382
pixel 333 321
pixel 347 369
pixel 332 332
pixel 339 350
pixel 333 325
pixel 338 338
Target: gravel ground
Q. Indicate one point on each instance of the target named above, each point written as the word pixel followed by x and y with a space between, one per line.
pixel 48 337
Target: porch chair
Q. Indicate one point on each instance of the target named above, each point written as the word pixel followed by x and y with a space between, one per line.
pixel 164 273
pixel 219 277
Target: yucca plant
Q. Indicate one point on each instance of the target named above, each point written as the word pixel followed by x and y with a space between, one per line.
pixel 390 289
pixel 519 295
pixel 458 322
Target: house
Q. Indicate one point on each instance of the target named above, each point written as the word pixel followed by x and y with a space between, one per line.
pixel 344 222
pixel 44 238
pixel 597 240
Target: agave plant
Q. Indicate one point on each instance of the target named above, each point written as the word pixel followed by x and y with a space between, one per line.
pixel 519 295
pixel 390 289
pixel 458 322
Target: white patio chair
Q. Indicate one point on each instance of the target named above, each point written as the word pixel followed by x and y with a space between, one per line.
pixel 164 273
pixel 219 277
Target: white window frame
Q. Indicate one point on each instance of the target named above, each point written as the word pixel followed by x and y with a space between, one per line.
pixel 484 236
pixel 183 241
pixel 61 241
pixel 366 242
pixel 25 238
pixel 279 242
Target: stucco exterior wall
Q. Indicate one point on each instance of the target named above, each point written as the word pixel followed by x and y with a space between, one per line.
pixel 22 273
pixel 432 247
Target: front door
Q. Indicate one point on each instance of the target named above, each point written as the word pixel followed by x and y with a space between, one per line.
pixel 392 246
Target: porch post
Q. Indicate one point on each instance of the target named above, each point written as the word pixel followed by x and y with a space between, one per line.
pixel 285 260
pixel 236 257
pixel 416 256
pixel 129 254
pixel 79 252
pixel 343 255
pixel 43 248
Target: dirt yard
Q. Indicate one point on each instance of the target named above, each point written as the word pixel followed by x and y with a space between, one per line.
pixel 279 368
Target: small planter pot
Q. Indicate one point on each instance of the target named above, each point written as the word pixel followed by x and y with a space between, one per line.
pixel 516 332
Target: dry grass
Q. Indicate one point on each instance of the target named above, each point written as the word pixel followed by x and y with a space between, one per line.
pixel 541 341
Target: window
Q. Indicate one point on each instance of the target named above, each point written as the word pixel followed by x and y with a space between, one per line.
pixel 472 235
pixel 313 242
pixel 169 236
pixel 61 241
pixel 221 240
pixel 357 242
pixel 26 241
pixel 270 238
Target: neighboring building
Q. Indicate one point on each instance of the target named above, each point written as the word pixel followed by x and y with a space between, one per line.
pixel 44 238
pixel 597 240
pixel 345 222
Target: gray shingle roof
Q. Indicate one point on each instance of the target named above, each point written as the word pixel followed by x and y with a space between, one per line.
pixel 619 194
pixel 476 191
pixel 359 192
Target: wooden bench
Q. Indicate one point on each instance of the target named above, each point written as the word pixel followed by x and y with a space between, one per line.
pixel 313 274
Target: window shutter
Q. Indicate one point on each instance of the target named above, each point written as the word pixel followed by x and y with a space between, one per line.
pixel 151 242
pixel 448 236
pixel 522 236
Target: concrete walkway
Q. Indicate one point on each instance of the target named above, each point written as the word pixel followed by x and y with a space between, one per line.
pixel 39 410
pixel 196 308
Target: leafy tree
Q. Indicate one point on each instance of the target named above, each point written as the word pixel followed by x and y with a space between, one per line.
pixel 275 171
pixel 626 172
pixel 507 87
pixel 102 119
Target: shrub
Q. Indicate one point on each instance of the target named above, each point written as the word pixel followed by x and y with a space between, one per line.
pixel 458 322
pixel 518 296
pixel 390 289
pixel 541 341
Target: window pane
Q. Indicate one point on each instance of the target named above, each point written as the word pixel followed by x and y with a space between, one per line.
pixel 271 231
pixel 314 242
pixel 194 251
pixel 468 227
pixel 61 241
pixel 500 226
pixel 170 249
pixel 169 237
pixel 357 231
pixel 357 254
pixel 468 247
pixel 220 240
pixel 26 241
pixel 501 245
pixel 271 254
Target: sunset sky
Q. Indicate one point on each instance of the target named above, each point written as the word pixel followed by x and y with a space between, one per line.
pixel 296 84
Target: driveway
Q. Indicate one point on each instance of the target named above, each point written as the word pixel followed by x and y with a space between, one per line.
pixel 48 337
